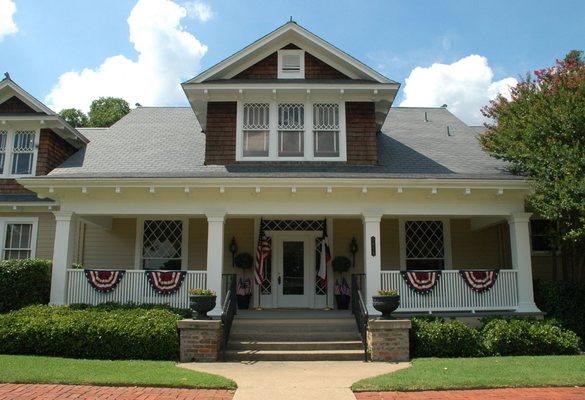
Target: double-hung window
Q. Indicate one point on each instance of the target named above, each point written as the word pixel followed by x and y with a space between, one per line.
pixel 3 139
pixel 256 129
pixel 18 237
pixel 18 150
pixel 326 130
pixel 291 130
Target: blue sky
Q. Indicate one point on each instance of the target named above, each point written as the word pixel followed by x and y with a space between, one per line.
pixel 181 38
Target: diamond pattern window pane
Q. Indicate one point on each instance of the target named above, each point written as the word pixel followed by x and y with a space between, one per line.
pixel 161 248
pixel 256 116
pixel 24 141
pixel 3 137
pixel 18 241
pixel 326 117
pixel 23 148
pixel 424 239
pixel 291 117
pixel 292 225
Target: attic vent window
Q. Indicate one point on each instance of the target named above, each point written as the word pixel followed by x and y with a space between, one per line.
pixel 291 64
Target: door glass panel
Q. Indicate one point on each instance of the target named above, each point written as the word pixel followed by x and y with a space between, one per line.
pixel 293 270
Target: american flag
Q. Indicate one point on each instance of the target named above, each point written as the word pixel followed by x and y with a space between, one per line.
pixel 262 253
pixel 324 259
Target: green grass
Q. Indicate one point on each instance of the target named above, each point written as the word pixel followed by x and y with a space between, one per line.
pixel 34 369
pixel 488 372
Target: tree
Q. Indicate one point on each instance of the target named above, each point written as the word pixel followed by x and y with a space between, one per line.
pixel 540 131
pixel 106 111
pixel 74 117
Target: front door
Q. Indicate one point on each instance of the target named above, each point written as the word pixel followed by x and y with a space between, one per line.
pixel 294 264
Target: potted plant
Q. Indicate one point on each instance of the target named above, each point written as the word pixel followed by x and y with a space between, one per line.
pixel 201 302
pixel 244 287
pixel 341 264
pixel 387 301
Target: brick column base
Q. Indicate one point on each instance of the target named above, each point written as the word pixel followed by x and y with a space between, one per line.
pixel 388 339
pixel 200 340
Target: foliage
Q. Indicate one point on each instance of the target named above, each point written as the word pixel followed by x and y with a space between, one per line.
pixel 104 333
pixel 74 117
pixel 35 369
pixel 244 261
pixel 389 292
pixel 440 338
pixel 106 111
pixel 111 306
pixel 540 132
pixel 24 282
pixel 201 292
pixel 341 264
pixel 564 301
pixel 516 337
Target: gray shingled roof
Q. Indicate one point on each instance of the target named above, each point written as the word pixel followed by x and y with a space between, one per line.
pixel 168 142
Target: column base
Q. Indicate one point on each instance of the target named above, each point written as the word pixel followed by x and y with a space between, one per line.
pixel 199 340
pixel 528 308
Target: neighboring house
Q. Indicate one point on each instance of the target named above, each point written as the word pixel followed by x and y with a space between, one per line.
pixel 290 137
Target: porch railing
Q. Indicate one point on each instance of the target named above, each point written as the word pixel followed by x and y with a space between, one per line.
pixel 453 294
pixel 359 310
pixel 229 310
pixel 133 288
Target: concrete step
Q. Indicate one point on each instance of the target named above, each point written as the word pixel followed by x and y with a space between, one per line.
pixel 292 355
pixel 296 346
pixel 277 326
pixel 295 336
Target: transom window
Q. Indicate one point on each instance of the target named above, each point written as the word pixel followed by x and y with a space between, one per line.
pixel 18 238
pixel 424 245
pixel 18 151
pixel 162 244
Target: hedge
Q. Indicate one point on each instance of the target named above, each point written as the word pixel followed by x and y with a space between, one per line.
pixel 565 302
pixel 435 337
pixel 91 332
pixel 24 282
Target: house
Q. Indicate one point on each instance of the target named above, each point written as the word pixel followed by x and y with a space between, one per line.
pixel 289 139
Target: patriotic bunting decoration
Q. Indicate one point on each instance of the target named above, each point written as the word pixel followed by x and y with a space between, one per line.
pixel 479 280
pixel 166 282
pixel 421 282
pixel 103 281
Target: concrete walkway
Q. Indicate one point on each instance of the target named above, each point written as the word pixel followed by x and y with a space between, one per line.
pixel 307 380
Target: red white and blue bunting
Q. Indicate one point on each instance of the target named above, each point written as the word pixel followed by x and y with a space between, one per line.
pixel 421 282
pixel 479 280
pixel 104 281
pixel 166 282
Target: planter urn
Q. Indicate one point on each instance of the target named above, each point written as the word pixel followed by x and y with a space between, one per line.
pixel 386 305
pixel 201 305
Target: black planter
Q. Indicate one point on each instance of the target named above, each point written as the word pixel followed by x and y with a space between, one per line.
pixel 243 301
pixel 202 305
pixel 386 305
pixel 342 301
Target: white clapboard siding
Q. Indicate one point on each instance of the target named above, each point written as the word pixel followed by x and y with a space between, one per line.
pixel 133 288
pixel 452 294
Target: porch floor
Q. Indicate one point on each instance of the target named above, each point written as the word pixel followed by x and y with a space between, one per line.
pixel 279 313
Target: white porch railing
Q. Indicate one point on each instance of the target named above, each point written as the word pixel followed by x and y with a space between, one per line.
pixel 133 288
pixel 452 294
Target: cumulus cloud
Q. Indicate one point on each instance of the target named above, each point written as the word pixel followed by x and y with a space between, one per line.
pixel 465 86
pixel 7 24
pixel 198 10
pixel 167 54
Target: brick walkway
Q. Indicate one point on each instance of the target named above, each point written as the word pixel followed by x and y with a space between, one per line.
pixel 53 392
pixel 484 394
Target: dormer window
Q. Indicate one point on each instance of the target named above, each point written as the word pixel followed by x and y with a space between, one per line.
pixel 291 64
pixel 18 152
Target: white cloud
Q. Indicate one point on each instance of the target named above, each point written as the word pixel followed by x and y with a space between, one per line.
pixel 167 54
pixel 198 10
pixel 465 86
pixel 7 24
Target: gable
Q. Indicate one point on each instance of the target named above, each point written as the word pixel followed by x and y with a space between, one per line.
pixel 14 105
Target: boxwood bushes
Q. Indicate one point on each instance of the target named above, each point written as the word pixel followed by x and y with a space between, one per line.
pixel 24 282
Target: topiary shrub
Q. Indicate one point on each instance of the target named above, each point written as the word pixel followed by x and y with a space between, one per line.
pixel 104 332
pixel 517 337
pixel 563 301
pixel 435 337
pixel 24 282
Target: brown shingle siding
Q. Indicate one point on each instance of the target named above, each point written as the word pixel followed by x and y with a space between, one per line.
pixel 317 69
pixel 15 106
pixel 263 69
pixel 360 122
pixel 220 135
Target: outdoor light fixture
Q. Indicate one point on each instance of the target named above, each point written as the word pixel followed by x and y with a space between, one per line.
pixel 353 248
pixel 233 250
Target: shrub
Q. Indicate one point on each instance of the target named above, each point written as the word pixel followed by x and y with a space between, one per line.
pixel 564 301
pixel 516 337
pixel 105 332
pixel 182 312
pixel 24 282
pixel 435 337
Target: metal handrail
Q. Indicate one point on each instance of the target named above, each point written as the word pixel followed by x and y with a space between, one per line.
pixel 228 313
pixel 360 312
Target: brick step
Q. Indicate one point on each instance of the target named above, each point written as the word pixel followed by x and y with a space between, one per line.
pixel 296 346
pixel 292 355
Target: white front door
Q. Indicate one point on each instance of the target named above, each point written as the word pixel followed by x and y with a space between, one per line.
pixel 293 259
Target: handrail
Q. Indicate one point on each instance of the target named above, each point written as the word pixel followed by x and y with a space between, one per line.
pixel 360 312
pixel 228 313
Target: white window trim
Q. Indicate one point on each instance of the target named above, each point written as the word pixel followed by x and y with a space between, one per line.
pixel 309 154
pixel 288 75
pixel 9 154
pixel 140 238
pixel 446 239
pixel 34 221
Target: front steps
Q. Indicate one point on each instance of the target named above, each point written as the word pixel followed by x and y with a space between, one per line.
pixel 294 339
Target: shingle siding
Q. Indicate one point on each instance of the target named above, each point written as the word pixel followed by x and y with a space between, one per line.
pixel 53 150
pixel 15 106
pixel 220 141
pixel 360 121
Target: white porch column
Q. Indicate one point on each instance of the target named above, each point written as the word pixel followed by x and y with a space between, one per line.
pixel 215 225
pixel 372 263
pixel 521 260
pixel 62 255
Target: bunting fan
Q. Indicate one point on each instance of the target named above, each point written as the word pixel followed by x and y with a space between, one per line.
pixel 479 281
pixel 421 282
pixel 166 282
pixel 103 281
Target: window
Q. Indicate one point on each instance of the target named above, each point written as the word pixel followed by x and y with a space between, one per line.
pixel 424 245
pixel 162 244
pixel 3 137
pixel 256 129
pixel 326 130
pixel 291 64
pixel 19 237
pixel 18 151
pixel 540 235
pixel 291 130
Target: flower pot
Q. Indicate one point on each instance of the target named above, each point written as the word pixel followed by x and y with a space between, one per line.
pixel 243 301
pixel 202 305
pixel 342 301
pixel 386 305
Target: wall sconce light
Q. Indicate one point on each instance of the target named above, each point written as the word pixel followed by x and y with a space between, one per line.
pixel 353 248
pixel 233 250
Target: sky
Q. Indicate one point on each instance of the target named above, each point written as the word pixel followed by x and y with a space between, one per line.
pixel 461 52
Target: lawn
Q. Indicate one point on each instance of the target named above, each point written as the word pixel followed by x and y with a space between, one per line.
pixel 34 369
pixel 488 372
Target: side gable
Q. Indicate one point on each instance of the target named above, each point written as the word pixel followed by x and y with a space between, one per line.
pixel 16 106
